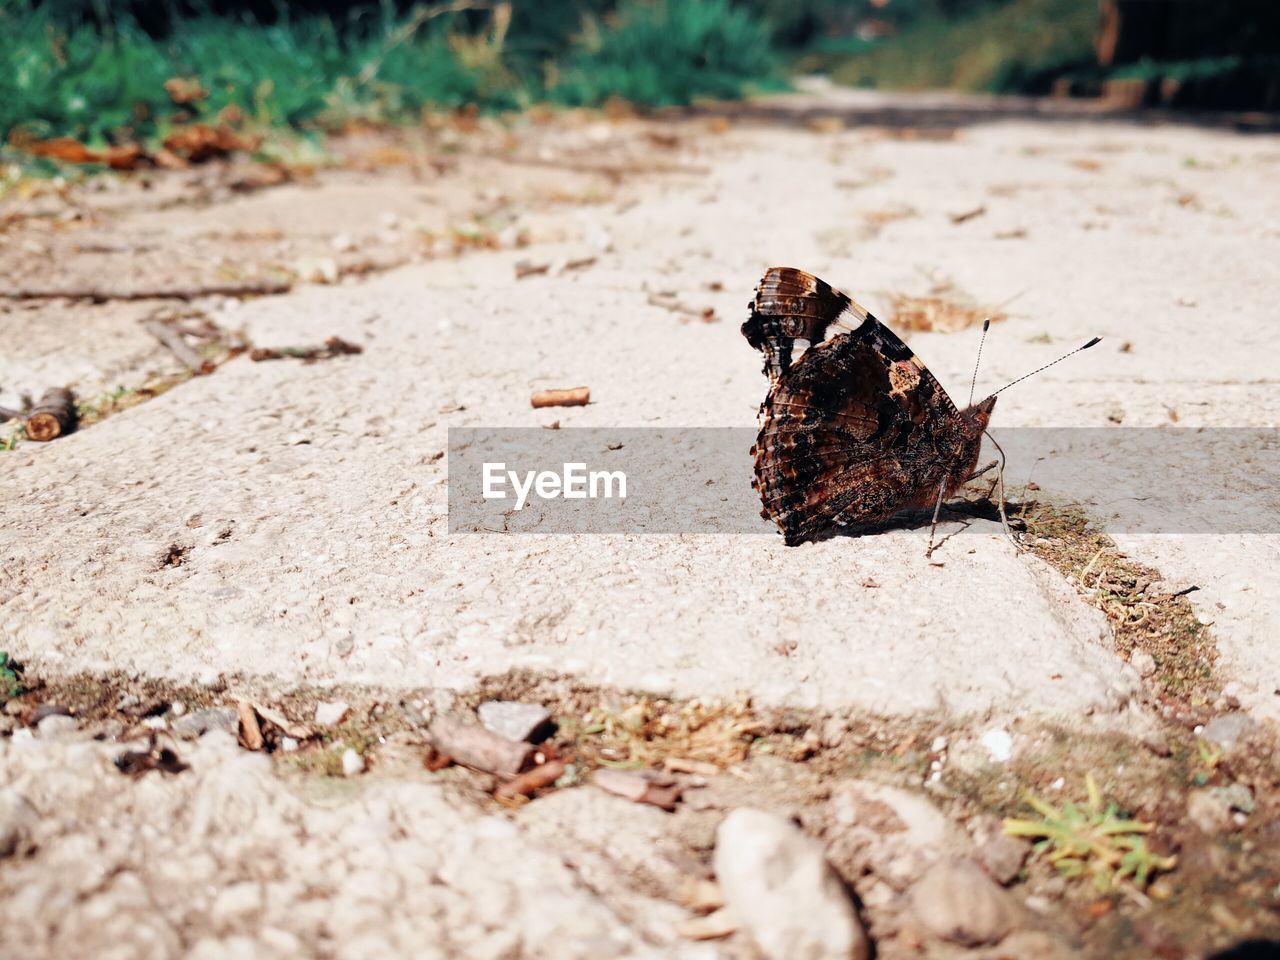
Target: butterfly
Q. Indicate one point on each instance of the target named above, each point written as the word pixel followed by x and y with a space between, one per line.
pixel 855 429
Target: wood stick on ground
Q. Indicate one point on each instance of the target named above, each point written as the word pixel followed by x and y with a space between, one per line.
pixel 527 268
pixel 332 347
pixel 531 781
pixel 705 314
pixel 250 732
pixel 573 397
pixel 8 413
pixel 614 171
pixel 237 288
pixel 959 218
pixel 54 416
pixel 473 746
pixel 172 340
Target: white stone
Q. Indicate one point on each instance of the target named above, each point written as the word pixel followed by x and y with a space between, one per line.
pixel 779 885
pixel 352 763
pixel 998 744
pixel 512 719
pixel 1143 662
pixel 331 714
pixel 57 725
pixel 957 901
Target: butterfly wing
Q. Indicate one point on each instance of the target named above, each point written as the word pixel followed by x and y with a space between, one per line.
pixel 855 431
pixel 792 305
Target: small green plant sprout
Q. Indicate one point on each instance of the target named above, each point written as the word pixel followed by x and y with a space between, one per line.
pixel 1092 840
pixel 10 685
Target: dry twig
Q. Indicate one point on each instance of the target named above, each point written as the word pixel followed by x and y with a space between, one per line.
pixel 614 171
pixel 54 416
pixel 959 218
pixel 531 781
pixel 332 347
pixel 670 302
pixel 172 340
pixel 573 397
pixel 231 288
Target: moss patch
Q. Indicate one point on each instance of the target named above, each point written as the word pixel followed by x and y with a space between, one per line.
pixel 1143 616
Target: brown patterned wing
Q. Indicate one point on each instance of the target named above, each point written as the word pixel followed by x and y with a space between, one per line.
pixel 857 431
pixel 792 305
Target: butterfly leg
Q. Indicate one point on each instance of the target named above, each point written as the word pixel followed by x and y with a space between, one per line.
pixel 977 473
pixel 937 509
pixel 1004 519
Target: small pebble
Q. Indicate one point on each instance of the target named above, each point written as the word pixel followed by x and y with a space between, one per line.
pixel 17 819
pixel 834 730
pixel 288 744
pixel 178 708
pixel 1038 904
pixel 56 726
pixel 1143 662
pixel 512 719
pixel 211 680
pixel 332 714
pixel 1229 729
pixel 999 854
pixel 956 901
pixel 199 722
pixel 110 729
pixel 999 744
pixel 352 763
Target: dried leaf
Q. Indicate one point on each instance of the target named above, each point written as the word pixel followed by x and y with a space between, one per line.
pixel 137 763
pixel 250 732
pixel 714 926
pixel 699 895
pixel 200 142
pixel 299 731
pixel 185 89
pixel 125 157
pixel 685 765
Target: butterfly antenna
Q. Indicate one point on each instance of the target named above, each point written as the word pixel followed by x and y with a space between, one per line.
pixel 986 325
pixel 1093 342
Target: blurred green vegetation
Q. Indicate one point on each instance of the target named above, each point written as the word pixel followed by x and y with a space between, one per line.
pixel 97 70
pixel 1015 46
pixel 669 53
pixel 74 71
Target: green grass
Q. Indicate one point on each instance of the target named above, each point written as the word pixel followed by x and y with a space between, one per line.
pixel 669 52
pixel 1014 46
pixel 10 685
pixel 1092 840
pixel 67 75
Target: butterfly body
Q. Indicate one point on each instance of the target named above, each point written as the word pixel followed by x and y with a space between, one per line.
pixel 855 429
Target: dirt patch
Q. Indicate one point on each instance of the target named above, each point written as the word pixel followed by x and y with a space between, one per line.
pixel 939 315
pixel 792 759
pixel 1144 614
